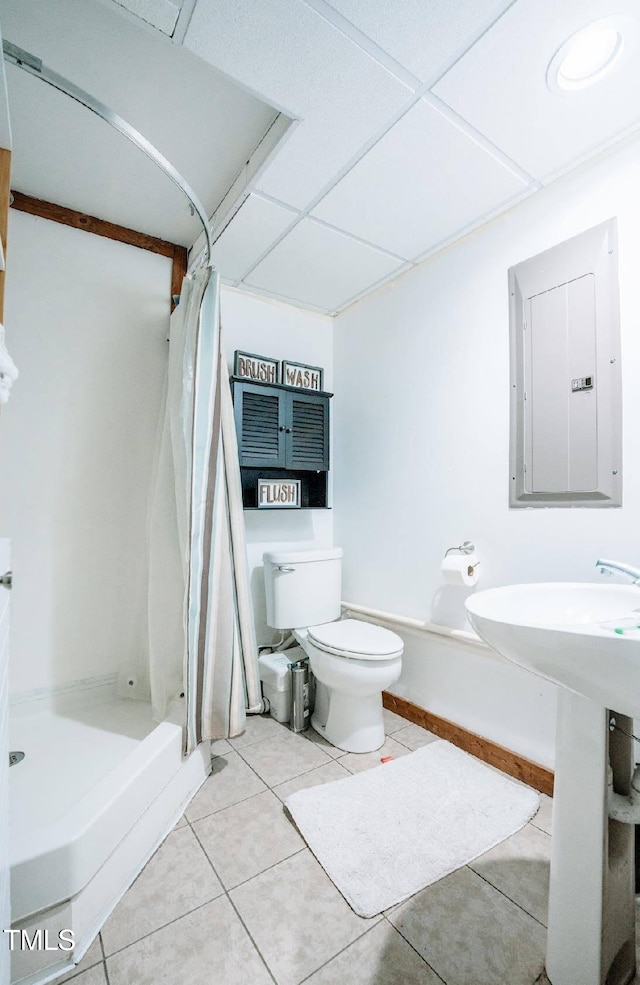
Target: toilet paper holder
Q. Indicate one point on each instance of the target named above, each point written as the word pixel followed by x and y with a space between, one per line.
pixel 465 548
pixel 464 569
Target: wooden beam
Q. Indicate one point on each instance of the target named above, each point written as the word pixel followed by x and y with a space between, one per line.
pixel 5 185
pixel 178 271
pixel 100 227
pixel 490 752
pixel 91 224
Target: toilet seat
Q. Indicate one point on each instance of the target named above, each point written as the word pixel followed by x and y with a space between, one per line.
pixel 357 640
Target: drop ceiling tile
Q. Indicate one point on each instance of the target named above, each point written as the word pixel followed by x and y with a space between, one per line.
pixel 296 60
pixel 161 14
pixel 319 266
pixel 423 37
pixel 424 181
pixel 205 124
pixel 254 227
pixel 499 86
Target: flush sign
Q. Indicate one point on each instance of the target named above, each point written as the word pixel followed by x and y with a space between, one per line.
pixel 278 494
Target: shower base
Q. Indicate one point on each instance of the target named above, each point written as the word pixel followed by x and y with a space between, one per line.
pixel 100 787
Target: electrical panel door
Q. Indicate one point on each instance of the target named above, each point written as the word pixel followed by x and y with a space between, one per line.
pixel 565 375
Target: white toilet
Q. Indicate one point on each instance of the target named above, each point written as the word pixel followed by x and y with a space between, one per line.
pixel 353 662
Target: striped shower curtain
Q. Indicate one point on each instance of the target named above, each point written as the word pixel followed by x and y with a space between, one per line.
pixel 215 626
pixel 221 651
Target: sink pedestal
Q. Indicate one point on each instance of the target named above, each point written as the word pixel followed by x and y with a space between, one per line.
pixel 591 935
pixel 565 632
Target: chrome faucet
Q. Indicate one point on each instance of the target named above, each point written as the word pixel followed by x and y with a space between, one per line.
pixel 608 568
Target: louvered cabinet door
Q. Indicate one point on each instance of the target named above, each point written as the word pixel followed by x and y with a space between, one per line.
pixel 260 425
pixel 307 432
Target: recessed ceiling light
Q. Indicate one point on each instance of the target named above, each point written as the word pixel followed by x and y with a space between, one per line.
pixel 591 53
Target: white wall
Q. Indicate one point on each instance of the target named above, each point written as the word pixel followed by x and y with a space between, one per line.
pixel 421 448
pixel 87 322
pixel 5 900
pixel 270 328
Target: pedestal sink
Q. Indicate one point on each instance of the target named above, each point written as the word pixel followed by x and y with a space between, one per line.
pixel 586 639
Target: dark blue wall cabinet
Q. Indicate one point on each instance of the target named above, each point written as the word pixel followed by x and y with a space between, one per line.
pixel 282 433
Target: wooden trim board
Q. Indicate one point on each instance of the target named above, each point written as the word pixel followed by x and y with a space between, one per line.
pixel 110 230
pixel 90 224
pixel 178 271
pixel 489 752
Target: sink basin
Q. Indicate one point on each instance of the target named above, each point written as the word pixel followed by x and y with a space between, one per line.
pixel 566 632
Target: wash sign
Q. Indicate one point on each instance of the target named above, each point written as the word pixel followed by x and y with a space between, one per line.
pixel 301 376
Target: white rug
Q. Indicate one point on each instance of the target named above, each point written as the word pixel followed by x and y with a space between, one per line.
pixel 385 834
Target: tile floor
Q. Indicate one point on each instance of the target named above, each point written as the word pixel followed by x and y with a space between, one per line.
pixel 233 896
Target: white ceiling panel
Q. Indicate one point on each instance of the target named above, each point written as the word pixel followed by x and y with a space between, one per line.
pixel 423 37
pixel 254 227
pixel 499 86
pixel 400 176
pixel 299 62
pixel 318 266
pixel 204 123
pixel 161 14
pixel 423 182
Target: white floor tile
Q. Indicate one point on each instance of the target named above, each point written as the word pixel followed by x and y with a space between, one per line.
pixel 283 757
pixel 207 947
pixel 323 774
pixel 230 782
pixel 176 880
pixel 471 934
pixel 248 838
pixel 297 917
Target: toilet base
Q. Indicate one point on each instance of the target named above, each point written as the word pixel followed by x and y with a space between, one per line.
pixel 354 724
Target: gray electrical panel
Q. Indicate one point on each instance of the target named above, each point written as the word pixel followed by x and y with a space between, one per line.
pixel 565 387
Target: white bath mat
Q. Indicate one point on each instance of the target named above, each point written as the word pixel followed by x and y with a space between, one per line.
pixel 385 834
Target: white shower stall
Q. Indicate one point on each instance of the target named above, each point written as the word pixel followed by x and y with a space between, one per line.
pixel 102 782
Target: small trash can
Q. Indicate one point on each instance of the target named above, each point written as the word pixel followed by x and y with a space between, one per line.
pixel 300 696
pixel 275 674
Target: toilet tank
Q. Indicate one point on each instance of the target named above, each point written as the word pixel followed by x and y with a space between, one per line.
pixel 303 588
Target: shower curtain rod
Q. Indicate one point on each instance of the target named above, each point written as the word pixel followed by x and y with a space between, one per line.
pixel 28 62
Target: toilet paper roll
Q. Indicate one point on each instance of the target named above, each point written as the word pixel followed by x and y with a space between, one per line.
pixel 461 569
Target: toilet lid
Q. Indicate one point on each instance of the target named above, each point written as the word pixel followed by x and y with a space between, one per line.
pixel 351 637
